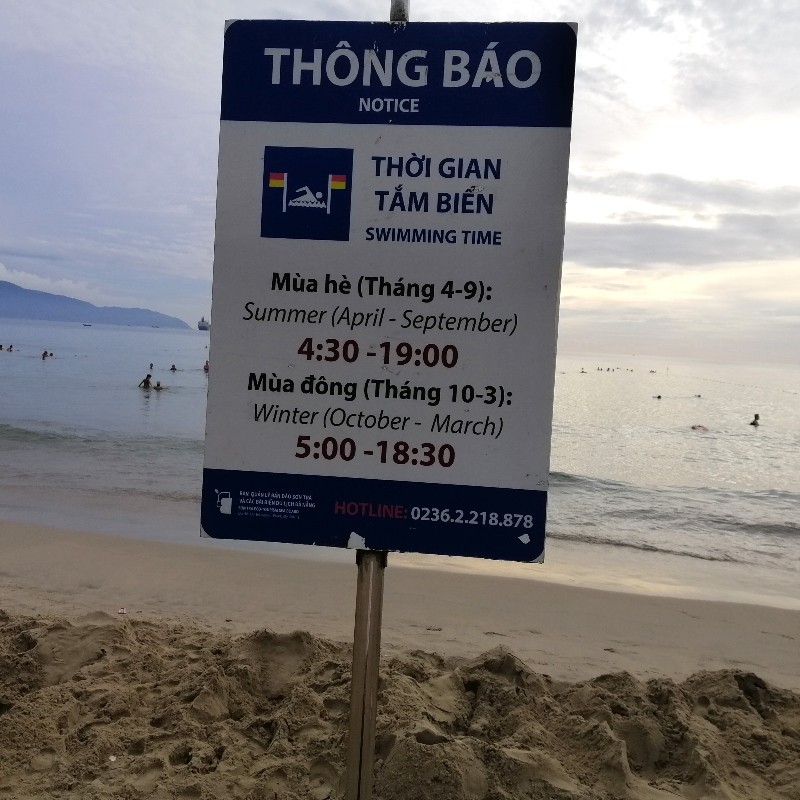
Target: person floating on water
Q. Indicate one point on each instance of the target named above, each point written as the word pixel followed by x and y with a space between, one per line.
pixel 145 383
pixel 173 368
pixel 755 421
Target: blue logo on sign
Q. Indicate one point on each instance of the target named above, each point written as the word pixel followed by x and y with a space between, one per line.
pixel 307 193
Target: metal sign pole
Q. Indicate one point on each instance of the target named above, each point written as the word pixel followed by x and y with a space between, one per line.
pixel 366 662
pixel 399 11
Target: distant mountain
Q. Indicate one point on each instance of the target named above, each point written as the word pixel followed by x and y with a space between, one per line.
pixel 19 303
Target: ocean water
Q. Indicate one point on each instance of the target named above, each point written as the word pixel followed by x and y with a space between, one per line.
pixel 639 500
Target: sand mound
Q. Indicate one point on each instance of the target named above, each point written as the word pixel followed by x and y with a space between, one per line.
pixel 114 708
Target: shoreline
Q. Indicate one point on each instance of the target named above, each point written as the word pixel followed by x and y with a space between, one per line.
pixel 606 566
pixel 569 632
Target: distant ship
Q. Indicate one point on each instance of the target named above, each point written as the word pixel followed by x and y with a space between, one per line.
pixel 203 325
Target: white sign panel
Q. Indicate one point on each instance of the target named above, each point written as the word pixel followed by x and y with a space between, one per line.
pixel 390 221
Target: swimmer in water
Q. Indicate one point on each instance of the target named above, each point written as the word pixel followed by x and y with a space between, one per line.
pixel 44 355
pixel 755 421
pixel 158 387
pixel 145 383
pixel 173 368
pixel 205 366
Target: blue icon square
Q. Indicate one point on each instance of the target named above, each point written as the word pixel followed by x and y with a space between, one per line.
pixel 306 193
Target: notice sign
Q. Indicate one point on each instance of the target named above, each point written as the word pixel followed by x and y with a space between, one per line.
pixel 390 222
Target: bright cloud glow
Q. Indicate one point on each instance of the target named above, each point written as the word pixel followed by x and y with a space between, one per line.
pixel 605 208
pixel 733 288
pixel 762 150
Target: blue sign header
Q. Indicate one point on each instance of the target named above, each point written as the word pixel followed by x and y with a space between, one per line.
pixel 510 74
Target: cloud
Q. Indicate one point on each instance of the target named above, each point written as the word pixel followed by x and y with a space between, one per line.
pixel 641 220
pixel 643 243
pixel 174 296
pixel 70 288
pixel 734 288
pixel 739 311
pixel 684 193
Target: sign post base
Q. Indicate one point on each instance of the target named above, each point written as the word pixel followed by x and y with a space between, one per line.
pixel 366 661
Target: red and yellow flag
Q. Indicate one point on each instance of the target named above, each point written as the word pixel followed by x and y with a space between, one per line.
pixel 277 179
pixel 338 181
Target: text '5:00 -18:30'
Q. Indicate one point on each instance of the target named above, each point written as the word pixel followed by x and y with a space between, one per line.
pixel 401 453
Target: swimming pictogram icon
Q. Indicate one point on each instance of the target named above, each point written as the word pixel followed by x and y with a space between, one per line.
pixel 308 199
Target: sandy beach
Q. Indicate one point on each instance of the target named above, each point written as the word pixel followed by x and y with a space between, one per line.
pixel 228 677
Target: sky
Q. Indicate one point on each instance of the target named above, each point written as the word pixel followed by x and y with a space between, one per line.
pixel 683 211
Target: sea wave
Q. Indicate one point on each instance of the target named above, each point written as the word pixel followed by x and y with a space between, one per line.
pixel 644 546
pixel 656 502
pixel 160 494
pixel 710 524
pixel 589 483
pixel 39 434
